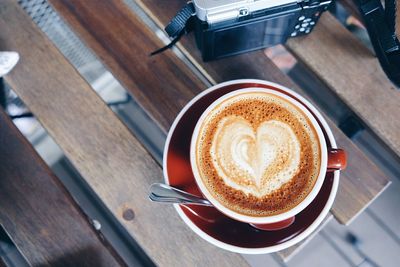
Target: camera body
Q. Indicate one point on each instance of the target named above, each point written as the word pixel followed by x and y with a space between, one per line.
pixel 229 27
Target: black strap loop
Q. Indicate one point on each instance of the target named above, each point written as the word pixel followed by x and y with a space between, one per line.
pixel 178 23
pixel 381 31
pixel 178 26
pixel 390 13
pixel 168 46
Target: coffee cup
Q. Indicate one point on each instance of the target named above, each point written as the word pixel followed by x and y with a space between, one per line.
pixel 254 181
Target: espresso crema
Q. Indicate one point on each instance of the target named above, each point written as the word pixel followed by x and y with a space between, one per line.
pixel 258 154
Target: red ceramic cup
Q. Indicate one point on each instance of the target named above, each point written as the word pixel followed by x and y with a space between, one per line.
pixel 331 160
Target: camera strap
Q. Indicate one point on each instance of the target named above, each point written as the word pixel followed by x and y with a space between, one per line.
pixel 178 26
pixel 380 24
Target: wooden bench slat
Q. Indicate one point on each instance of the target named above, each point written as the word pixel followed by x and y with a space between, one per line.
pixel 39 214
pixel 152 80
pixel 111 160
pixel 351 71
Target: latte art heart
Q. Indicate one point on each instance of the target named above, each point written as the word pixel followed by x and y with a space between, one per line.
pixel 255 161
pixel 256 153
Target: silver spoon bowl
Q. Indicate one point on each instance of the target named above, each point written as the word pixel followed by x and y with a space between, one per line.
pixel 167 194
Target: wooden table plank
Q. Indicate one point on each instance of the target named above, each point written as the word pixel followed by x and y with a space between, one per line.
pixel 359 184
pixel 350 70
pixel 110 159
pixel 155 84
pixel 39 214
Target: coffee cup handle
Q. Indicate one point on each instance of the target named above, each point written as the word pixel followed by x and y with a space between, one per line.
pixel 337 159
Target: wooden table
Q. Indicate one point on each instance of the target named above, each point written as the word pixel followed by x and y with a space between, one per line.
pixel 116 166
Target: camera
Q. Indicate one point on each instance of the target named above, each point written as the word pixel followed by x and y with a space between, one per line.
pixel 229 27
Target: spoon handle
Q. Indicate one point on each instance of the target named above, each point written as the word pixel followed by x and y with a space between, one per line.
pixel 164 193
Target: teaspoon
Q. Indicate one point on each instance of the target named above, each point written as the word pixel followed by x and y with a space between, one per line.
pixel 167 194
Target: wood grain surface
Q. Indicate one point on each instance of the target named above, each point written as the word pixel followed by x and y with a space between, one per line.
pixel 39 214
pixel 103 150
pixel 360 183
pixel 350 70
pixel 123 43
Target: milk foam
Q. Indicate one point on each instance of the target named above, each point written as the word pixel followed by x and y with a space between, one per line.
pixel 258 154
pixel 255 161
